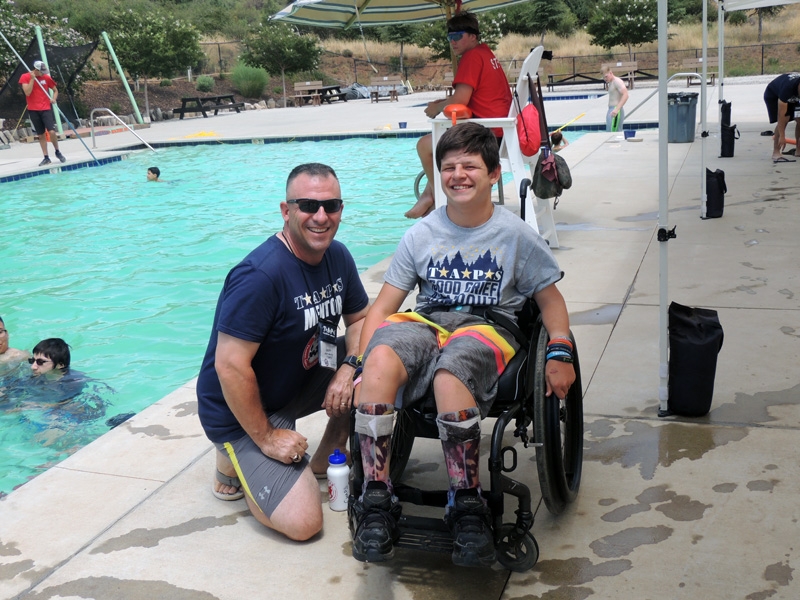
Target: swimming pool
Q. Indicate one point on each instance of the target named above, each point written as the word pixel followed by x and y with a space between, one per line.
pixel 128 272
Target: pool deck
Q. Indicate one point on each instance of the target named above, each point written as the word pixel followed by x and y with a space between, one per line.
pixel 668 508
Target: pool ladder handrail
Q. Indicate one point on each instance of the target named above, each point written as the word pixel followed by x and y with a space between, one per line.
pixel 628 114
pixel 108 110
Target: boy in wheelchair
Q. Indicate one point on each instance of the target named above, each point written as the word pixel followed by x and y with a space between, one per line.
pixel 471 259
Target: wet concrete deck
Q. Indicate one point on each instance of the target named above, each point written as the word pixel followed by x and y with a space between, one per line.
pixel 668 508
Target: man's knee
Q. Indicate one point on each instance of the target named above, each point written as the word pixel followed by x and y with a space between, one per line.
pixel 301 531
pixel 299 514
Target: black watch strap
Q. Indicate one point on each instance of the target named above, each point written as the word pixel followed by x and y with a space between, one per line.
pixel 351 360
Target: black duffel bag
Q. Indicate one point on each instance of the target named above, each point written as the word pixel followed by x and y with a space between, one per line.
pixel 715 193
pixel 695 339
pixel 729 135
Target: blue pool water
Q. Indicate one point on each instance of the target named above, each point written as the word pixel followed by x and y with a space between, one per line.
pixel 128 272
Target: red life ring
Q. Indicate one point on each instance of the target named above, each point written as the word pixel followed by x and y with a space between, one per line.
pixel 457 111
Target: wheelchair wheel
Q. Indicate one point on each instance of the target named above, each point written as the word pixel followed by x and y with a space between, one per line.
pixel 402 443
pixel 515 553
pixel 558 426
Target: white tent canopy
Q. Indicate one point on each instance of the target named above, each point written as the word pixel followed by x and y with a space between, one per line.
pixel 751 4
pixel 663 193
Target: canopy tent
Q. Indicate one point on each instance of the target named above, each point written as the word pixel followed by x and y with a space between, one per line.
pixel 664 233
pixel 751 4
pixel 729 6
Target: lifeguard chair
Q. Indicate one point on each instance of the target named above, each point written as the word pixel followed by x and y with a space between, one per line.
pixel 537 212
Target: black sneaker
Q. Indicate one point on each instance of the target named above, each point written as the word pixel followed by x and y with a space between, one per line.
pixel 45 161
pixel 60 156
pixel 470 523
pixel 374 520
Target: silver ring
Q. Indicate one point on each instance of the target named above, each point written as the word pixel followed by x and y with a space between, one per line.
pixel 296 458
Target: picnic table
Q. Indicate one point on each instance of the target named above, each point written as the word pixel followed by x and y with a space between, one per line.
pixel 203 104
pixel 558 79
pixel 316 93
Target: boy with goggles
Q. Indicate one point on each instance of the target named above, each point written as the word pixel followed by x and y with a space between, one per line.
pixel 479 84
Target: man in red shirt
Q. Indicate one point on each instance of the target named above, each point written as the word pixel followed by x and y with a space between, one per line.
pixel 479 83
pixel 39 107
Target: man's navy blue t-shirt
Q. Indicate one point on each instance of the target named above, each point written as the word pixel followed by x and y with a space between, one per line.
pixel 785 87
pixel 276 300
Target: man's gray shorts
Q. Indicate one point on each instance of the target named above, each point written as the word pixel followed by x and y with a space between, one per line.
pixel 474 355
pixel 264 479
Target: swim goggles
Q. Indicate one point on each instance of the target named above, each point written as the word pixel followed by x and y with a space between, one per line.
pixel 311 207
pixel 454 36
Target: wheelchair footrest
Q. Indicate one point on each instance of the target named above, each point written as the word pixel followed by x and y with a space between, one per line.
pixel 424 533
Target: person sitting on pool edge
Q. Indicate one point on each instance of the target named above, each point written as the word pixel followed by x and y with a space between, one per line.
pixel 9 356
pixel 471 260
pixel 479 83
pixel 153 174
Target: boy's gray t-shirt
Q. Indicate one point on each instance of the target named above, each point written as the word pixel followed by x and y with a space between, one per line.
pixel 500 263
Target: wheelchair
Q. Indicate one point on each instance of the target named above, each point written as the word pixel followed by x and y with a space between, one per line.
pixel 553 426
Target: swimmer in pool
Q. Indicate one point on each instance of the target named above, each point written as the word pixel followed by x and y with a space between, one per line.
pixel 9 357
pixel 50 356
pixel 52 381
pixel 153 174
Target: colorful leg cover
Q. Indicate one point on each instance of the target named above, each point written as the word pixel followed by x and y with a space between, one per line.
pixel 374 427
pixel 460 433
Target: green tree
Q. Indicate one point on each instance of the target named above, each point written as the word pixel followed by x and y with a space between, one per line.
pixel 582 9
pixel 18 27
pixel 279 48
pixel 537 17
pixel 153 45
pixel 681 11
pixel 624 23
pixel 399 34
pixel 766 13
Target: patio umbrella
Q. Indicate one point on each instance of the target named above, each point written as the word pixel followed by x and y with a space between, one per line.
pixel 343 14
pixel 372 13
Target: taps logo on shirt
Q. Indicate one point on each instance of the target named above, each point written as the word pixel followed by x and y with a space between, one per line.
pixel 320 304
pixel 457 282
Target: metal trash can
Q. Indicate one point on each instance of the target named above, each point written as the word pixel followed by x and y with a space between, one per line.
pixel 682 117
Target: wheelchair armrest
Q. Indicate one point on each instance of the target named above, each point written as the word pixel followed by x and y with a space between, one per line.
pixel 510 383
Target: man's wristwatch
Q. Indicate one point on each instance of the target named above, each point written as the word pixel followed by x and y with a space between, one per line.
pixel 351 360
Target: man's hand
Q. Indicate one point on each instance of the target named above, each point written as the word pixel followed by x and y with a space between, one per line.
pixel 559 376
pixel 285 445
pixel 340 392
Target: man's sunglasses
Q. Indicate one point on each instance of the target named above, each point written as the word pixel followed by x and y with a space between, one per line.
pixel 455 36
pixel 38 361
pixel 307 205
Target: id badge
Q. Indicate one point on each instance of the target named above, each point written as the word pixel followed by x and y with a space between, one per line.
pixel 327 343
